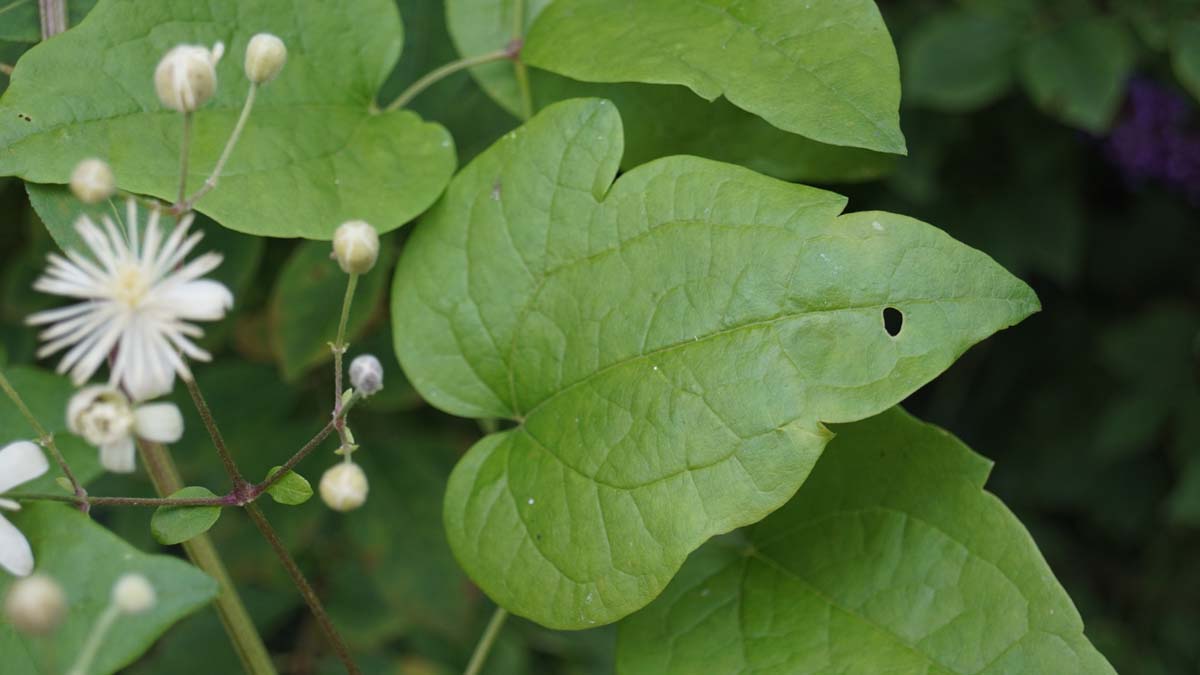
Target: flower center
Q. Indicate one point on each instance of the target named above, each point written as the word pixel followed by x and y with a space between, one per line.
pixel 106 421
pixel 129 285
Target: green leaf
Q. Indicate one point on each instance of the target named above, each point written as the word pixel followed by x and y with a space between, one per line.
pixel 306 305
pixel 959 60
pixel 177 524
pixel 316 149
pixel 1077 73
pixel 46 395
pixel 87 560
pixel 481 26
pixel 668 345
pixel 20 21
pixel 824 70
pixel 891 558
pixel 292 490
pixel 1185 54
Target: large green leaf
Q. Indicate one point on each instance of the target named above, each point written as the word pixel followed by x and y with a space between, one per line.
pixel 87 559
pixel 825 70
pixel 306 304
pixel 46 395
pixel 316 151
pixel 659 120
pixel 890 559
pixel 1077 73
pixel 669 346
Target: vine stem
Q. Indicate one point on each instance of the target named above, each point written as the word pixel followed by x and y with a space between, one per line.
pixel 45 439
pixel 185 205
pixel 520 72
pixel 485 643
pixel 53 14
pixel 118 501
pixel 306 590
pixel 339 350
pixel 251 651
pixel 449 69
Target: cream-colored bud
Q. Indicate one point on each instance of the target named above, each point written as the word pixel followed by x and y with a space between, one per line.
pixel 35 605
pixel 344 487
pixel 133 594
pixel 92 181
pixel 366 374
pixel 355 247
pixel 186 77
pixel 265 56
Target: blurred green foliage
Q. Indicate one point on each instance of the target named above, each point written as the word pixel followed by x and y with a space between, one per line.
pixel 1090 409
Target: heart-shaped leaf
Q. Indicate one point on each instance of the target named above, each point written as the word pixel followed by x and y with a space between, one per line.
pixel 316 150
pixel 86 560
pixel 891 559
pixel 826 70
pixel 177 524
pixel 669 346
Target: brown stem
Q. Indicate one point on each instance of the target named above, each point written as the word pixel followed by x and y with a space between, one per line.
pixel 237 622
pixel 306 590
pixel 119 501
pixel 45 439
pixel 239 483
pixel 53 14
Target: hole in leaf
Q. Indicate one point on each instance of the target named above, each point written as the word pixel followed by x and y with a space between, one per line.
pixel 893 320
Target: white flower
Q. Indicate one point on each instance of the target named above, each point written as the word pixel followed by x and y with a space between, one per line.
pixel 133 594
pixel 92 181
pixel 355 247
pixel 137 296
pixel 265 56
pixel 106 419
pixel 20 462
pixel 35 605
pixel 186 77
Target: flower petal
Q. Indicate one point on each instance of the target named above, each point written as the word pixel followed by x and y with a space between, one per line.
pixel 20 462
pixel 15 554
pixel 119 457
pixel 200 300
pixel 158 422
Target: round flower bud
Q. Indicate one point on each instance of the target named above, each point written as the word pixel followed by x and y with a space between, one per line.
pixel 133 594
pixel 355 247
pixel 265 56
pixel 35 605
pixel 366 374
pixel 187 76
pixel 344 487
pixel 92 181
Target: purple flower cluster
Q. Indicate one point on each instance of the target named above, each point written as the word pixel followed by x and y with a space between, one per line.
pixel 1156 138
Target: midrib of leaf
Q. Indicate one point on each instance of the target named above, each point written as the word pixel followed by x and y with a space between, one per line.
pixel 796 65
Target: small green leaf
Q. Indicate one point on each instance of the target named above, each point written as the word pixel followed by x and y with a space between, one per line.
pixel 668 345
pixel 959 60
pixel 87 559
pixel 891 559
pixel 1077 73
pixel 292 490
pixel 315 151
pixel 306 304
pixel 177 524
pixel 824 70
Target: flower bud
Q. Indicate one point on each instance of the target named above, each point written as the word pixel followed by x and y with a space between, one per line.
pixel 92 181
pixel 186 77
pixel 102 415
pixel 265 56
pixel 133 594
pixel 355 247
pixel 344 487
pixel 35 605
pixel 366 374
